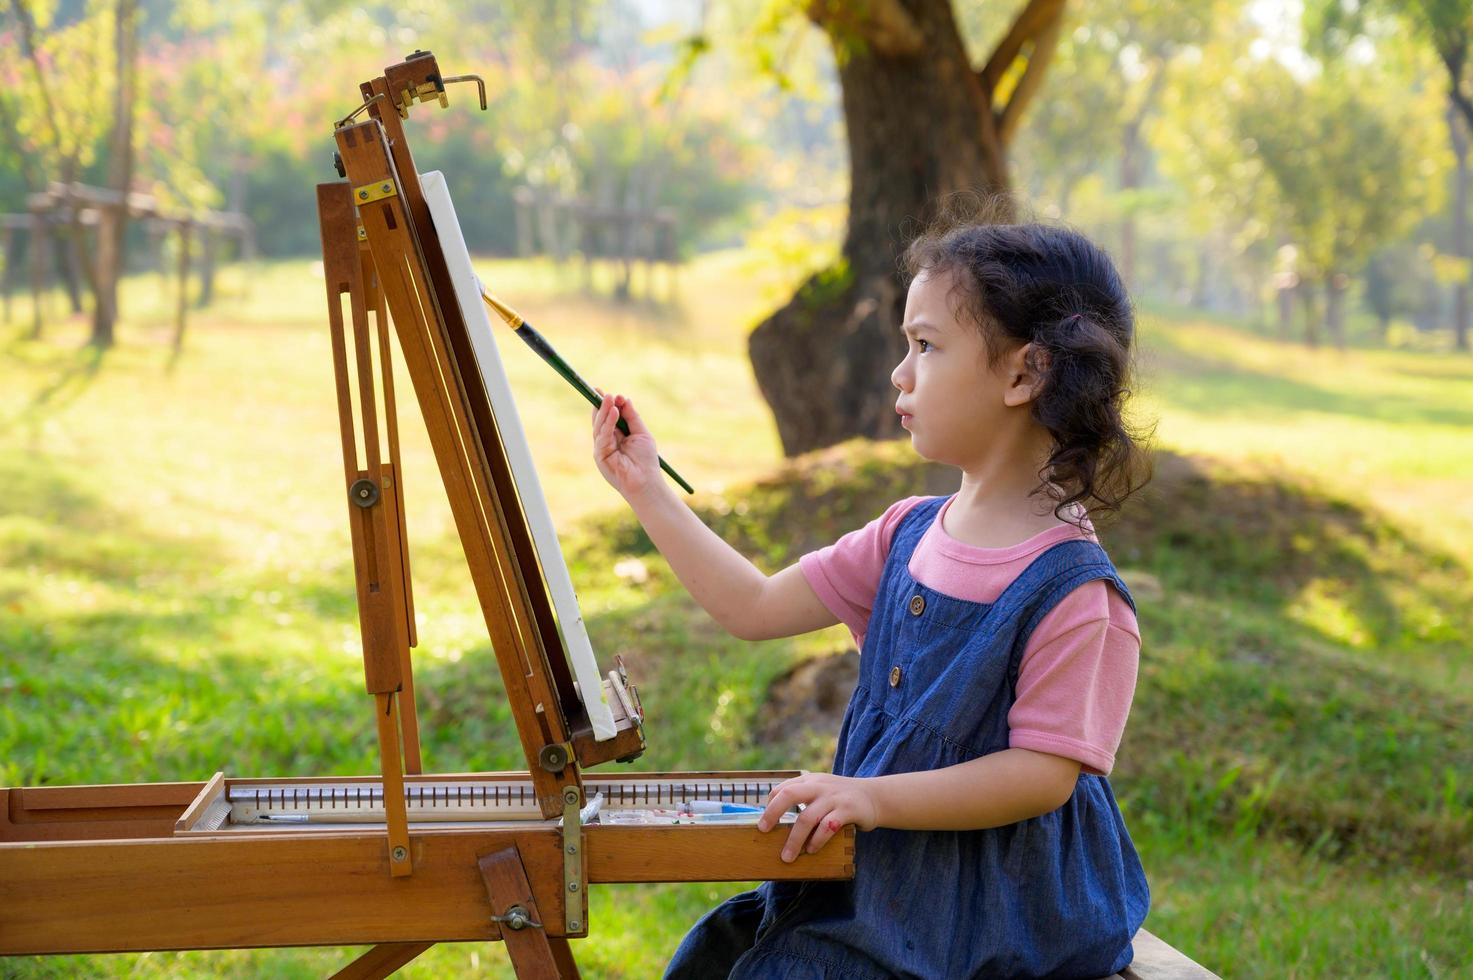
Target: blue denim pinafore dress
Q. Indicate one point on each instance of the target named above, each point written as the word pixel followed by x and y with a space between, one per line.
pixel 1058 895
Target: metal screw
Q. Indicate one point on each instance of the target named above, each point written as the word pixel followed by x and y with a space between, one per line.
pixel 572 848
pixel 516 918
pixel 363 195
pixel 386 188
pixel 400 854
pixel 574 925
pixel 572 886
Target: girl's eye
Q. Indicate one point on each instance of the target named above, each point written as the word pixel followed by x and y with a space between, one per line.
pixel 924 345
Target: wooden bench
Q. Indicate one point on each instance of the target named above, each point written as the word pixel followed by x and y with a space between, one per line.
pixel 1154 960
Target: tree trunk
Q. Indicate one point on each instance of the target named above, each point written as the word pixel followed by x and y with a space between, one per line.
pixel 1284 289
pixel 69 258
pixel 208 243
pixel 9 254
pixel 1336 284
pixel 181 307
pixel 1311 312
pixel 114 224
pixel 38 246
pixel 1202 279
pixel 1130 179
pixel 921 124
pixel 1457 129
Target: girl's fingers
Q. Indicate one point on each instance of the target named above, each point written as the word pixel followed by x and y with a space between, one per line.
pixel 824 831
pixel 602 440
pixel 778 802
pixel 636 424
pixel 802 828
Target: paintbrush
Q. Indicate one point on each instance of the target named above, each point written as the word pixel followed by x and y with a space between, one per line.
pixel 545 350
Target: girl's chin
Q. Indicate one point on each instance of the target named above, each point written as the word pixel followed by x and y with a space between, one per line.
pixel 932 454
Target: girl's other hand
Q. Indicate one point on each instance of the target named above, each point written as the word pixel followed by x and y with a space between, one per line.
pixel 630 463
pixel 829 803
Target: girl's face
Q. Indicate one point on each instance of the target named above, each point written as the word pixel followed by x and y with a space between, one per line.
pixel 951 402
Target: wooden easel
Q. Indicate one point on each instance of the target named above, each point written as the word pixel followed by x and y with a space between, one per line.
pixel 402 860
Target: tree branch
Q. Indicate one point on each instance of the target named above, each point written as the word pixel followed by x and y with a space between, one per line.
pixel 1045 41
pixel 28 167
pixel 884 25
pixel 1453 59
pixel 1148 99
pixel 28 42
pixel 1038 15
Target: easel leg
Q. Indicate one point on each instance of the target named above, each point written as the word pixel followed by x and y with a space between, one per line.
pixel 531 950
pixel 562 952
pixel 380 961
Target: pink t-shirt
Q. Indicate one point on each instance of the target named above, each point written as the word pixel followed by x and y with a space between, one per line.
pixel 1077 676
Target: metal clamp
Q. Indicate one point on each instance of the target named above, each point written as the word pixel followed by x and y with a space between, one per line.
pixel 469 78
pixel 346 120
pixel 376 191
pixel 516 919
pixel 573 891
pixel 363 493
pixel 554 757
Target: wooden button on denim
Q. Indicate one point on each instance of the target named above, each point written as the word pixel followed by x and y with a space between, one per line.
pixel 895 676
pixel 917 605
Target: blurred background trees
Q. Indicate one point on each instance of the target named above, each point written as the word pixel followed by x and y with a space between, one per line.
pixel 1301 167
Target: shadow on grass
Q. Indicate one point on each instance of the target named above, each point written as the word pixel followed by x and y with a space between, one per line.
pixel 131 655
pixel 1252 728
pixel 73 371
pixel 56 523
pixel 103 699
pixel 1246 719
pixel 1204 385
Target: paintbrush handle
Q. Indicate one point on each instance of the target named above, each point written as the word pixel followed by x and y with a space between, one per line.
pixel 545 350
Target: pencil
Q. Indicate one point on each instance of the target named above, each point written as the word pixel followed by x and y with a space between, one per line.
pixel 545 350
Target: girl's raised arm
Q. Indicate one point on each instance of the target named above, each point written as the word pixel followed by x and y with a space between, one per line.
pixel 746 602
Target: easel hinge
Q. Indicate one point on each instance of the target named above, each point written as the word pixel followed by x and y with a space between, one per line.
pixel 376 191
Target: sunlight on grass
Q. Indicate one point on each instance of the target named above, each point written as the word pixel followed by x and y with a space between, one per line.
pixel 1318 607
pixel 176 597
pixel 1390 427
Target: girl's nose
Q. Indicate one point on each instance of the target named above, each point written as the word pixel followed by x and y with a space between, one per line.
pixel 900 377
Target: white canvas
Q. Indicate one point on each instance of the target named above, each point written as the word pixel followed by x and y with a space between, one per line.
pixel 534 504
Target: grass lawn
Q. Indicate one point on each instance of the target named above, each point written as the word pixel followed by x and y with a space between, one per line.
pixel 176 597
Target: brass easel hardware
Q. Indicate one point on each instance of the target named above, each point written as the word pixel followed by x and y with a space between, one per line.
pixel 363 493
pixel 573 899
pixel 348 119
pixel 433 87
pixel 376 191
pixel 470 78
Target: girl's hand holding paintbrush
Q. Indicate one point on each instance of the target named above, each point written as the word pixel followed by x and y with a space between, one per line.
pixel 544 350
pixel 629 462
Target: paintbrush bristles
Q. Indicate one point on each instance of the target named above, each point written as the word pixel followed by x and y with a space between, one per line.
pixel 512 317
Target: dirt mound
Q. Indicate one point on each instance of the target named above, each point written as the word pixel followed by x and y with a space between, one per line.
pixel 805 705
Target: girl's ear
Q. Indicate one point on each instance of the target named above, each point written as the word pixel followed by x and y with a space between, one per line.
pixel 1024 370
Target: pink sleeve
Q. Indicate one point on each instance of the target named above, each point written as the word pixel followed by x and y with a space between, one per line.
pixel 1077 679
pixel 846 575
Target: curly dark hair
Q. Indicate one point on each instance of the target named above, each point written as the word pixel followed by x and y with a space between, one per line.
pixel 1055 289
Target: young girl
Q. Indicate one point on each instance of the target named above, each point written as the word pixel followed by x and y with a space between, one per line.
pixel 999 646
